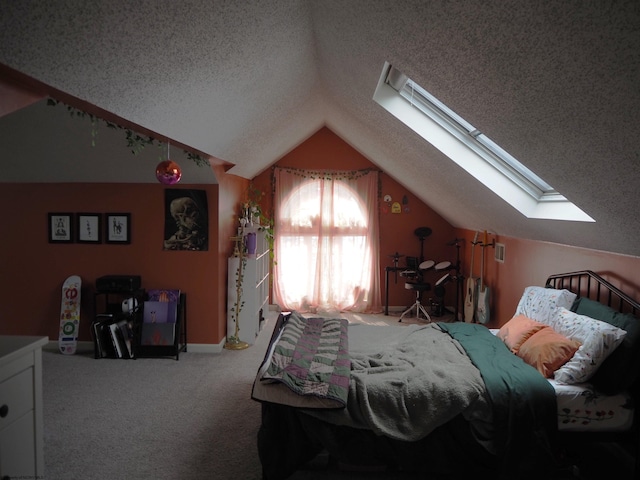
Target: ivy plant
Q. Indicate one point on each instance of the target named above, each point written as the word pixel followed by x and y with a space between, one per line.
pixel 135 141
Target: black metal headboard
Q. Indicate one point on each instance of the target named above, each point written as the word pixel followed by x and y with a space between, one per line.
pixel 591 285
pixel 588 284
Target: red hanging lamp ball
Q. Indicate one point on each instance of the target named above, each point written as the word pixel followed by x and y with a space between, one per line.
pixel 168 172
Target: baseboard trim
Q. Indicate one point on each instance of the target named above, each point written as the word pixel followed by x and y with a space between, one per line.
pixel 396 309
pixel 206 347
pixel 82 346
pixel 87 347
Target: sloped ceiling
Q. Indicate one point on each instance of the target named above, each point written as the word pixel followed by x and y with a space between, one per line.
pixel 557 84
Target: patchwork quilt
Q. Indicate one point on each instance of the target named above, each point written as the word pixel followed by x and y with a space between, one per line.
pixel 312 358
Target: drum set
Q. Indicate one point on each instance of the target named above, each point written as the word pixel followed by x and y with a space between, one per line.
pixel 415 281
pixel 415 272
pixel 424 267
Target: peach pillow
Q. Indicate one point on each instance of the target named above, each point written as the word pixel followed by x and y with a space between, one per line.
pixel 517 330
pixel 547 351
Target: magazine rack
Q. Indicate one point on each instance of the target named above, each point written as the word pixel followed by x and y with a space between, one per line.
pixel 179 335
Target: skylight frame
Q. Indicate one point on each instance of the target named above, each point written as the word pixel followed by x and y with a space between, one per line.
pixel 470 149
pixel 490 151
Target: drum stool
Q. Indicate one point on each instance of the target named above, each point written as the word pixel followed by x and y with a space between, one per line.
pixel 419 287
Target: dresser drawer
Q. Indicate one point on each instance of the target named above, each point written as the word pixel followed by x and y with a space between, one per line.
pixel 17 450
pixel 16 397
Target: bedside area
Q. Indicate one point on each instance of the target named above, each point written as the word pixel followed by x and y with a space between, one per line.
pixel 21 421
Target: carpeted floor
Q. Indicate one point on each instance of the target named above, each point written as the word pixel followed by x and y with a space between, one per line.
pixel 152 418
pixel 158 418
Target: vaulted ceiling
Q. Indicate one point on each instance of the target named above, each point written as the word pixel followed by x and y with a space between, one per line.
pixel 555 83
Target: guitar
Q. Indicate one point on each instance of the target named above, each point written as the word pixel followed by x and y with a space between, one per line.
pixel 482 311
pixel 470 300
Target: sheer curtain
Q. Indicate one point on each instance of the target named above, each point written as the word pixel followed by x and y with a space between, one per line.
pixel 326 241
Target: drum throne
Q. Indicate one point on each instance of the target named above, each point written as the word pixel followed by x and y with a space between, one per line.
pixel 418 285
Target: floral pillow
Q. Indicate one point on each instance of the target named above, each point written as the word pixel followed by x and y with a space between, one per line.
pixel 622 368
pixel 539 303
pixel 598 339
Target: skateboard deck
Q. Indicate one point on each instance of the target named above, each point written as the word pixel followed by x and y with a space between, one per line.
pixel 70 315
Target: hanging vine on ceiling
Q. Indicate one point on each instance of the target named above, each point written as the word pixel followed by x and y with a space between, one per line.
pixel 135 142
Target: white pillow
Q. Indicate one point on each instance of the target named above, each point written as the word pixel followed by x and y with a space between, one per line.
pixel 598 339
pixel 539 303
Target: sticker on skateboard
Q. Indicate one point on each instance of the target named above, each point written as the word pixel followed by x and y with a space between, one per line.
pixel 70 315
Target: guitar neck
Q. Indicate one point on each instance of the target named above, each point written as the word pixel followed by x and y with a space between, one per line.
pixel 473 250
pixel 482 268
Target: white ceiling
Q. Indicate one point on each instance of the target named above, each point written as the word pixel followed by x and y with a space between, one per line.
pixel 556 83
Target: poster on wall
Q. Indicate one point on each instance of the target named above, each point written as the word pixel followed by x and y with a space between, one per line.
pixel 186 224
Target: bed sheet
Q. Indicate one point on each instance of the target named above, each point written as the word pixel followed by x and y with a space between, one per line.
pixel 581 408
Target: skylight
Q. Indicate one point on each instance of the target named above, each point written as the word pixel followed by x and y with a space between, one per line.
pixel 473 150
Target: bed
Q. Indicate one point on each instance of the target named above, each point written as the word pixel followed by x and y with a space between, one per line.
pixel 454 399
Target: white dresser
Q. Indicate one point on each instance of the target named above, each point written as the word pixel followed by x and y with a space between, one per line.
pixel 21 423
pixel 254 301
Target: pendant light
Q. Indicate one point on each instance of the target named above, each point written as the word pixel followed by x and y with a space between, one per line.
pixel 168 172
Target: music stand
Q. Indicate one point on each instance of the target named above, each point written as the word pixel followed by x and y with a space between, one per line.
pixel 422 233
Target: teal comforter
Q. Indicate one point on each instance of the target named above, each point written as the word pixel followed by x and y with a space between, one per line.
pixel 523 401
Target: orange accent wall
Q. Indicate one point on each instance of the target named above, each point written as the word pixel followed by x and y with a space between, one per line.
pixel 13 98
pixel 326 151
pixel 529 262
pixel 16 93
pixel 33 269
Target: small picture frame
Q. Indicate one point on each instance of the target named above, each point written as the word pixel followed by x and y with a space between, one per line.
pixel 118 228
pixel 89 227
pixel 60 227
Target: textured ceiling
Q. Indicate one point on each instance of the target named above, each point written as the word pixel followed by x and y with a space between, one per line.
pixel 556 83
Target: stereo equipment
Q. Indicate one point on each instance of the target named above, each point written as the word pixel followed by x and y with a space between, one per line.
pixel 118 283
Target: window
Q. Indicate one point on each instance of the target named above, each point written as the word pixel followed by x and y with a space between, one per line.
pixel 474 151
pixel 325 242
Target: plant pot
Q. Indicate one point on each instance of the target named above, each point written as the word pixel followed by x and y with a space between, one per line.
pixel 251 243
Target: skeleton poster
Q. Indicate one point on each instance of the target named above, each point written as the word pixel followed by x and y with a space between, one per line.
pixel 186 224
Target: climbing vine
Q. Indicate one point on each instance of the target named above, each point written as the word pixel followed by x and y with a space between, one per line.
pixel 135 142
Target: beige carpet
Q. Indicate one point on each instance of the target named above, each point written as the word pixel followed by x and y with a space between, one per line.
pixel 158 418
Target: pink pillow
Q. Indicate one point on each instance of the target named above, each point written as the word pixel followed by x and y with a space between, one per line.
pixel 547 351
pixel 517 330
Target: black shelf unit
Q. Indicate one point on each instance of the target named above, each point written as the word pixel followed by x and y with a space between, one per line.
pixel 180 336
pixel 108 311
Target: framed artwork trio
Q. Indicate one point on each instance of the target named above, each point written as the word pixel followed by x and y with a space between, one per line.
pixel 66 227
